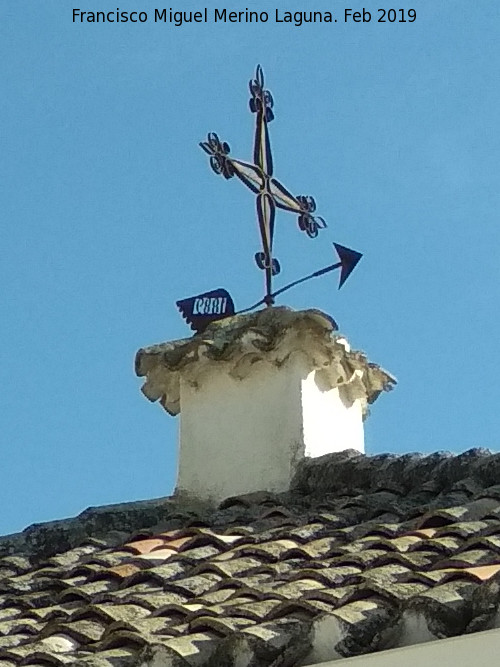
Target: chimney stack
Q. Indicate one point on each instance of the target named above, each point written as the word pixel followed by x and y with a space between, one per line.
pixel 256 394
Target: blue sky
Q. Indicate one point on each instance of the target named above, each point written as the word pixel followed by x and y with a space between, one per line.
pixel 110 213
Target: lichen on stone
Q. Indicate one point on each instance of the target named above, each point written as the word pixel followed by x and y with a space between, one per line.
pixel 272 336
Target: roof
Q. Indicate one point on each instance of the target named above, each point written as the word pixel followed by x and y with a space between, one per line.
pixel 362 554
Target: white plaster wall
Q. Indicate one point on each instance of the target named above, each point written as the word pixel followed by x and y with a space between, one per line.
pixel 332 423
pixel 481 649
pixel 239 436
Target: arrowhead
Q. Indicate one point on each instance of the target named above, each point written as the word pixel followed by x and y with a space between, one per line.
pixel 348 260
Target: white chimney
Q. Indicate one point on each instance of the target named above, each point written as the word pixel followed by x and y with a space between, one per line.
pixel 256 394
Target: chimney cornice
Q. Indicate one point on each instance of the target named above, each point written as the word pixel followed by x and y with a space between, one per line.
pixel 273 335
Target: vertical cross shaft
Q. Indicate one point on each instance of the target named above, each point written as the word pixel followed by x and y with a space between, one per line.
pixel 258 177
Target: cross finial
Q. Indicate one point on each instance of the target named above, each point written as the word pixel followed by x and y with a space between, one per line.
pixel 258 177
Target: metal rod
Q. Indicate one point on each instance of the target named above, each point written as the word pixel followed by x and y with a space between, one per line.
pixel 269 298
pixel 265 300
pixel 246 310
pixel 302 280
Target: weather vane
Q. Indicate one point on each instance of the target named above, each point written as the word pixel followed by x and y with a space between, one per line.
pixel 204 308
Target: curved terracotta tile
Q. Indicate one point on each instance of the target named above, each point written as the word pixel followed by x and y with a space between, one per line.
pixel 145 546
pixel 124 570
pixel 177 543
pixel 130 639
pixel 170 534
pixel 158 554
pixel 222 626
pixel 423 532
pixel 481 572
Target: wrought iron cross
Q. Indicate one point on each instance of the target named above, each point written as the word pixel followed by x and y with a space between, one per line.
pixel 271 194
pixel 258 176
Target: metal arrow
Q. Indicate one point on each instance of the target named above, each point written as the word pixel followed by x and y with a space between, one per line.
pixel 259 178
pixel 271 195
pixel 348 260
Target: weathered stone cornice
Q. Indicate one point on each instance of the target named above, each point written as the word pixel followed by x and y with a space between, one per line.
pixel 272 335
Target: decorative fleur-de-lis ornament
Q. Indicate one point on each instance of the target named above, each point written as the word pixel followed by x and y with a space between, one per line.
pixel 270 195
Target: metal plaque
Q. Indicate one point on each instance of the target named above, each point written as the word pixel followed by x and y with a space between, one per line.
pixel 200 310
